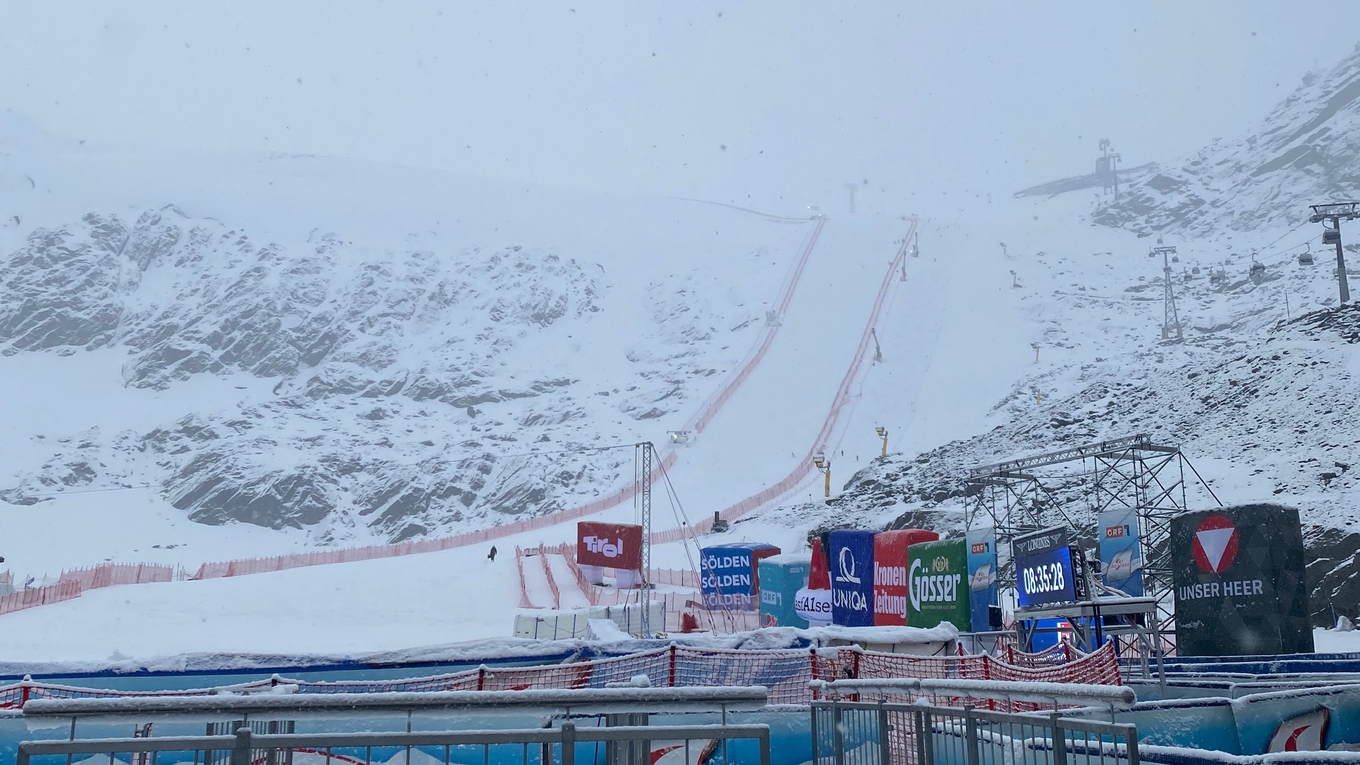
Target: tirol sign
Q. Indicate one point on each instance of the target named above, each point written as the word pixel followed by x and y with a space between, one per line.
pixel 1239 582
pixel 852 577
pixel 937 584
pixel 609 545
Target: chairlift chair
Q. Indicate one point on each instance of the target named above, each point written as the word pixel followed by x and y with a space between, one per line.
pixel 1306 257
pixel 1330 236
pixel 1257 273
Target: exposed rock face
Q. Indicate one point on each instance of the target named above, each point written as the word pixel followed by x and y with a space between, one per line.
pixel 404 397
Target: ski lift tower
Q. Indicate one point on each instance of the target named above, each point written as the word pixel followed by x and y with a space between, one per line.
pixel 1171 320
pixel 1335 213
pixel 1107 168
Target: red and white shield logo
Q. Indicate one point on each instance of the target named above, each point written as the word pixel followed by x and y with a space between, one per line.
pixel 1304 733
pixel 1215 545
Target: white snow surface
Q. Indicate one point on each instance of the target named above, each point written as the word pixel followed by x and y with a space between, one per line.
pixel 604 319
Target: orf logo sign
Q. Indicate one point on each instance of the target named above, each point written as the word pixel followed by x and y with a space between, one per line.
pixel 1215 545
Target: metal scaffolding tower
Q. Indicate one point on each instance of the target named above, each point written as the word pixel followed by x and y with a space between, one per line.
pixel 1129 472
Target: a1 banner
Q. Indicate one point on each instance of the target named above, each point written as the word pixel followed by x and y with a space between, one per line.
pixel 610 545
pixel 1121 557
pixel 982 586
pixel 852 577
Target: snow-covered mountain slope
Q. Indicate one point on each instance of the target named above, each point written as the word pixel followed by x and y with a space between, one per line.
pixel 365 384
pixel 1256 396
pixel 1306 151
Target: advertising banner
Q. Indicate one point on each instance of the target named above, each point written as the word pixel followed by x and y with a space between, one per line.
pixel 611 545
pixel 1121 557
pixel 936 589
pixel 852 577
pixel 890 573
pixel 1043 568
pixel 1239 582
pixel 782 577
pixel 982 586
pixel 728 577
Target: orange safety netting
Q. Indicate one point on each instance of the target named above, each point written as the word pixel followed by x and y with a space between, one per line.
pixel 786 673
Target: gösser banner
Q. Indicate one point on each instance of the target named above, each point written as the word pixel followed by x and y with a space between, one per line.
pixel 852 578
pixel 610 545
pixel 982 587
pixel 936 590
pixel 1120 559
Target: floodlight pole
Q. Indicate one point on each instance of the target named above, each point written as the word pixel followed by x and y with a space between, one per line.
pixel 1336 213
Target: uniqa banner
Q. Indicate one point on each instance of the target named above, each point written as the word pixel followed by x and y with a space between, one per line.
pixel 936 590
pixel 982 587
pixel 852 577
pixel 1121 558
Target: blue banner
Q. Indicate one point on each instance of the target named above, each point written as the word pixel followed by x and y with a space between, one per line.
pixel 1121 558
pixel 727 577
pixel 852 578
pixel 982 587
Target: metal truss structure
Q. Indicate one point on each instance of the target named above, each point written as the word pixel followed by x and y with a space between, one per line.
pixel 1124 473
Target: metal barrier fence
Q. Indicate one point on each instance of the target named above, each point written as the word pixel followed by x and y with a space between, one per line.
pixel 625 745
pixel 865 733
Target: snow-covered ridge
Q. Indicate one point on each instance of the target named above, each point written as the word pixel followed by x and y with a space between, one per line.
pixel 1306 151
pixel 395 391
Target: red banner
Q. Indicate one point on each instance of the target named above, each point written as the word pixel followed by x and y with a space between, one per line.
pixel 612 545
pixel 890 573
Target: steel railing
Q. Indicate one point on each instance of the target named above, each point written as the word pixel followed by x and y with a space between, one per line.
pixel 880 733
pixel 625 745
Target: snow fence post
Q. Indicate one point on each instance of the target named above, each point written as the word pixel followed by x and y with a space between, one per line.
pixel 568 743
pixel 1059 742
pixel 812 656
pixel 970 737
pixel 240 750
pixel 481 675
pixel 671 680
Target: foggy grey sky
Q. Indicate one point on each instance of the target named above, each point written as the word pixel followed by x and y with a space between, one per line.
pixel 644 97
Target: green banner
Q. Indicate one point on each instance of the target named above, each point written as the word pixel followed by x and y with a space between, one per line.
pixel 937 584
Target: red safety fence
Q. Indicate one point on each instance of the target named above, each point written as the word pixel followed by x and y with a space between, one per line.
pixel 715 403
pixel 786 673
pixel 552 582
pixel 524 601
pixel 110 574
pixel 805 467
pixel 699 422
pixel 39 596
pixel 1100 667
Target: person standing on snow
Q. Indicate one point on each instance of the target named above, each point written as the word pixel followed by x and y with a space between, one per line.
pixel 491 555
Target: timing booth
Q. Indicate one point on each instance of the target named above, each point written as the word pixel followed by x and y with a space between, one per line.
pixel 1052 590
